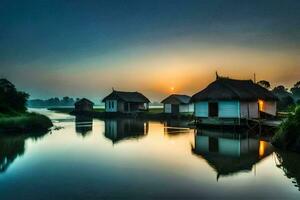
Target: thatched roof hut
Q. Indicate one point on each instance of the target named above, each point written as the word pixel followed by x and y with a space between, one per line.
pixel 83 105
pixel 177 103
pixel 135 97
pixel 230 98
pixel 120 101
pixel 231 89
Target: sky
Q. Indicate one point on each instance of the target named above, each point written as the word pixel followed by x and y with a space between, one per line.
pixel 85 48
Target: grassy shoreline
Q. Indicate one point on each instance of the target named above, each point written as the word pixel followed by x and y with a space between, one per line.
pixel 152 114
pixel 287 136
pixel 70 109
pixel 24 122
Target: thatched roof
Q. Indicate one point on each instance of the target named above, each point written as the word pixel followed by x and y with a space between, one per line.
pixel 177 99
pixel 231 89
pixel 134 97
pixel 83 101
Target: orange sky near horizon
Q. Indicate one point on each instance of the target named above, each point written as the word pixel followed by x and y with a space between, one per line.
pixel 160 70
pixel 155 71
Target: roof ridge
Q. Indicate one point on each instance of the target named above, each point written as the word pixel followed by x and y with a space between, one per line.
pixel 232 79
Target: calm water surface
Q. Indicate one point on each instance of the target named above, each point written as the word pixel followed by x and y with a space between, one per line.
pixel 93 159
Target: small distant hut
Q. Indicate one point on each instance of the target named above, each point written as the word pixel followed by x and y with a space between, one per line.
pixel 126 102
pixel 227 98
pixel 83 105
pixel 178 103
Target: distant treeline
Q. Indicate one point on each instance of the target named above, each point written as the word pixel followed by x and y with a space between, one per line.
pixel 57 102
pixel 287 97
pixel 65 101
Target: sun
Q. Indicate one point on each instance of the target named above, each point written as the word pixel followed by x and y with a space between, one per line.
pixel 172 89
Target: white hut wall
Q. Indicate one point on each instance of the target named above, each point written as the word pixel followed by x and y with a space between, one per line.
pixel 249 110
pixel 186 108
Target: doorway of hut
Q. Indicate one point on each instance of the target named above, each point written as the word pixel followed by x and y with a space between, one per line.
pixel 175 109
pixel 213 109
pixel 127 107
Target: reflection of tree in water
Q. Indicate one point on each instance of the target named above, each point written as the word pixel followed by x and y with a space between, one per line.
pixel 289 162
pixel 12 147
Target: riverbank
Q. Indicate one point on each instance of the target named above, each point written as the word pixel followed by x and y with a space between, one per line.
pixel 288 135
pixel 155 114
pixel 24 122
pixel 69 110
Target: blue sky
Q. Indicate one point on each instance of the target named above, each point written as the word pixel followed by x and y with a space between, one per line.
pixel 83 48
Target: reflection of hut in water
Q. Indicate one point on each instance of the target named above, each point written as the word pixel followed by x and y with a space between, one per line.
pixel 230 155
pixel 121 129
pixel 289 162
pixel 83 124
pixel 176 127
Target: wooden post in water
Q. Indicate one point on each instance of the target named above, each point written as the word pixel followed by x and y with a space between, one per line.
pixel 259 125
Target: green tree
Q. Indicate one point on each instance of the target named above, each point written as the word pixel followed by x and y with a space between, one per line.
pixel 280 90
pixel 296 89
pixel 285 98
pixel 264 83
pixel 11 100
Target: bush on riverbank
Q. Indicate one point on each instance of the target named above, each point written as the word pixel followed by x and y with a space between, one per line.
pixel 288 135
pixel 24 122
pixel 11 100
pixel 13 115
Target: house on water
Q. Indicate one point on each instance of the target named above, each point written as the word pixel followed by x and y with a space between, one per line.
pixel 227 98
pixel 177 103
pixel 83 105
pixel 126 102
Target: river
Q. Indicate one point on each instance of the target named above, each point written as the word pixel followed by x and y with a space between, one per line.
pixel 84 158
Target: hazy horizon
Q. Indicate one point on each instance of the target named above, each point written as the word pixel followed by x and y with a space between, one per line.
pixel 83 49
